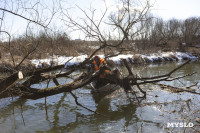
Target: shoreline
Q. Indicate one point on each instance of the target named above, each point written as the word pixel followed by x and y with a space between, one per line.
pixel 28 64
pixel 117 60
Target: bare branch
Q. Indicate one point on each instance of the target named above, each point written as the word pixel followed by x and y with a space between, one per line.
pixel 23 17
pixel 76 100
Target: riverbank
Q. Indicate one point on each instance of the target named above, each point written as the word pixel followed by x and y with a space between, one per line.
pixel 7 67
pixel 117 60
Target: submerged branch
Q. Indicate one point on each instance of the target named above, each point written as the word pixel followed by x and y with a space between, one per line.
pixel 76 100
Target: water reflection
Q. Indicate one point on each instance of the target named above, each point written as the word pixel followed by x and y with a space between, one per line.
pixel 61 114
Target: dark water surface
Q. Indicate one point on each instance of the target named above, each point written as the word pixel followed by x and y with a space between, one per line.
pixel 152 115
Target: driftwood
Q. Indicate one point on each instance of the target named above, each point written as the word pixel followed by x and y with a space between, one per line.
pixel 176 89
pixel 39 93
pixel 114 77
pixel 133 80
pixel 5 83
pixel 36 75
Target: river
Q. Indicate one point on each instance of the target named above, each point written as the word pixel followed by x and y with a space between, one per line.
pixel 61 114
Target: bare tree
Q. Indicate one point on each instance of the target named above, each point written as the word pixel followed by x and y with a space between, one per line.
pixel 190 29
pixel 31 14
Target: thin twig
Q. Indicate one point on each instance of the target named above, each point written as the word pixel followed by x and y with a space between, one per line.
pixel 23 17
pixel 22 111
pixel 76 100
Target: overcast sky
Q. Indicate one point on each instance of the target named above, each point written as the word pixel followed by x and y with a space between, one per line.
pixel 180 9
pixel 167 9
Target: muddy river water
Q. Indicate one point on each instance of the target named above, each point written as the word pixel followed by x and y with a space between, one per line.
pixel 154 114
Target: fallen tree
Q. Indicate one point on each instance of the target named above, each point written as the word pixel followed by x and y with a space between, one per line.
pixel 24 90
pixel 13 86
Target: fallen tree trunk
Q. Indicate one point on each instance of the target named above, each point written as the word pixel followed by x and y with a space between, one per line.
pixel 31 93
pixel 5 83
pixel 36 75
pixel 115 77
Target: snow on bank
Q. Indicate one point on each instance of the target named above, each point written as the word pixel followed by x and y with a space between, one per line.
pixel 59 60
pixel 117 59
pixel 137 58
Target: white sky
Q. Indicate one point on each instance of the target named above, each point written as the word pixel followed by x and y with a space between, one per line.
pixel 166 9
pixel 180 9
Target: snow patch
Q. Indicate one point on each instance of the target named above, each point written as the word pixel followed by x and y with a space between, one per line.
pixel 117 59
pixel 155 57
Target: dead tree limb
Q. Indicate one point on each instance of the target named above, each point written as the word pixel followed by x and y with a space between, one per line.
pixel 14 77
pixel 39 93
pixel 134 81
pixel 24 90
pixel 36 75
pixel 76 100
pixel 177 90
pixel 11 12
pixel 5 83
pixel 163 76
pixel 131 80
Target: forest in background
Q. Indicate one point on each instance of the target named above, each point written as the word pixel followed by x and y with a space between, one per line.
pixel 125 31
pixel 172 35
